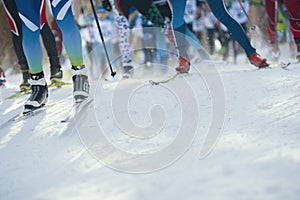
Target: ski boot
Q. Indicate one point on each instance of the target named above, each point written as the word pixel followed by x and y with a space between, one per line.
pixel 184 65
pixel 25 85
pixel 258 61
pixel 39 94
pixel 56 74
pixel 81 85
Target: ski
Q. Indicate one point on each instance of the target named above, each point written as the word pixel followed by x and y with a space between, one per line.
pixel 22 116
pixel 177 75
pixel 58 84
pixel 19 94
pixel 52 86
pixel 76 108
pixel 282 65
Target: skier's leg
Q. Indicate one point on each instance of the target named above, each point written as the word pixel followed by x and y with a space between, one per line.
pixel 293 7
pixel 179 28
pixel 181 33
pixel 219 10
pixel 16 29
pixel 29 12
pixel 272 12
pixel 58 37
pixel 50 46
pixel 17 34
pixel 288 32
pixel 63 15
pixel 124 37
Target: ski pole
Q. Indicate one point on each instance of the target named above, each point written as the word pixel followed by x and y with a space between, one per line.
pixel 252 25
pixel 102 39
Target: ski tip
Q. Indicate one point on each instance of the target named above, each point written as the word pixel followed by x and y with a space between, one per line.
pixel 153 82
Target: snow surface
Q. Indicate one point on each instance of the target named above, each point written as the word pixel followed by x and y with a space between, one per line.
pixel 256 157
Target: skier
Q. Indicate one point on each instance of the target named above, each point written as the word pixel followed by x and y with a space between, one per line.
pixel 148 9
pixel 293 7
pixel 48 40
pixel 124 28
pixel 156 11
pixel 32 22
pixel 124 38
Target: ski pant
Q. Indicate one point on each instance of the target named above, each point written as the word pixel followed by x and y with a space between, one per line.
pixel 33 19
pixel 17 36
pixel 219 10
pixel 124 36
pixel 293 7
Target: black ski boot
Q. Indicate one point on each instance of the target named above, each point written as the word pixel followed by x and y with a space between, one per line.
pixel 25 85
pixel 39 93
pixel 56 74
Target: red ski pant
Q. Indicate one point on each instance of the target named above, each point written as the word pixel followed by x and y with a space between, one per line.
pixel 293 7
